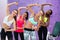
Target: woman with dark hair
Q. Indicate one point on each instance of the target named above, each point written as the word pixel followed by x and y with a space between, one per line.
pixel 32 24
pixel 7 22
pixel 44 22
pixel 20 22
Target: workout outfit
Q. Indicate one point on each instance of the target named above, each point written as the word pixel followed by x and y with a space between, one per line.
pixel 8 33
pixel 30 32
pixel 42 29
pixel 19 22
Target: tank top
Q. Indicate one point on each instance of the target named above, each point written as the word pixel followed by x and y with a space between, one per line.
pixel 20 22
pixel 32 21
pixel 45 19
pixel 5 20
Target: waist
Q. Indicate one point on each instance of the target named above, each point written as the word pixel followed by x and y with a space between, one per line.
pixel 32 22
pixel 43 27
pixel 29 29
pixel 28 26
pixel 19 25
pixel 8 24
pixel 19 30
pixel 7 29
pixel 5 26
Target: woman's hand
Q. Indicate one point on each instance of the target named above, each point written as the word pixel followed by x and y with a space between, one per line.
pixel 35 28
pixel 16 3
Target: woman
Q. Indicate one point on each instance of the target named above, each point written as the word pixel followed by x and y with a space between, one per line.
pixel 20 22
pixel 44 22
pixel 8 20
pixel 32 24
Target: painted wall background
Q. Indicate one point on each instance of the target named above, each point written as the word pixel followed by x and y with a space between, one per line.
pixel 56 9
pixel 54 17
pixel 2 11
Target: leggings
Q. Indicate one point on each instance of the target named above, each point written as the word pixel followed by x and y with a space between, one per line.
pixel 4 34
pixel 42 30
pixel 30 32
pixel 21 35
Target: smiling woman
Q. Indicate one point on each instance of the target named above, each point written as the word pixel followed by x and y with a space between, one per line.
pixel 2 12
pixel 11 15
pixel 7 22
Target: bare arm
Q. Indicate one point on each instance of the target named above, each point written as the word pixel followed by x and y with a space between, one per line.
pixel 46 4
pixel 42 7
pixel 19 10
pixel 41 11
pixel 24 24
pixel 38 26
pixel 8 5
pixel 29 7
pixel 14 26
pixel 5 26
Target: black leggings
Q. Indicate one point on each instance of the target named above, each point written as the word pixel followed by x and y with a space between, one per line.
pixel 4 34
pixel 42 30
pixel 21 35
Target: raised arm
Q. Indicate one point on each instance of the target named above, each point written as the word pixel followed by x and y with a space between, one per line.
pixel 42 7
pixel 29 7
pixel 19 10
pixel 10 4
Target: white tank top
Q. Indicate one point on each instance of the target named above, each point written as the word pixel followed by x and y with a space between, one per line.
pixel 8 22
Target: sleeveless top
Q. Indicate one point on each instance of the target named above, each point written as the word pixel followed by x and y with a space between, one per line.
pixel 20 22
pixel 5 20
pixel 45 19
pixel 32 21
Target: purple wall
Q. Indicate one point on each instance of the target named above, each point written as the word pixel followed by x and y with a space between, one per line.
pixel 56 13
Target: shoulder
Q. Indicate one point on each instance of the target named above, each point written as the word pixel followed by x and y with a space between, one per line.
pixel 18 17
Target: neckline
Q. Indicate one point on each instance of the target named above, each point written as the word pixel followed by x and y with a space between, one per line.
pixel 9 20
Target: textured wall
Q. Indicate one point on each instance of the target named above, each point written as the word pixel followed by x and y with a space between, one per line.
pixel 2 9
pixel 56 13
pixel 56 9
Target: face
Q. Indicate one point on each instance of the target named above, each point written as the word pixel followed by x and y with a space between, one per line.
pixel 24 15
pixel 41 13
pixel 48 12
pixel 14 12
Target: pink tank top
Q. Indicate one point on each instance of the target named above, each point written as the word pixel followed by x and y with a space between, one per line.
pixel 20 22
